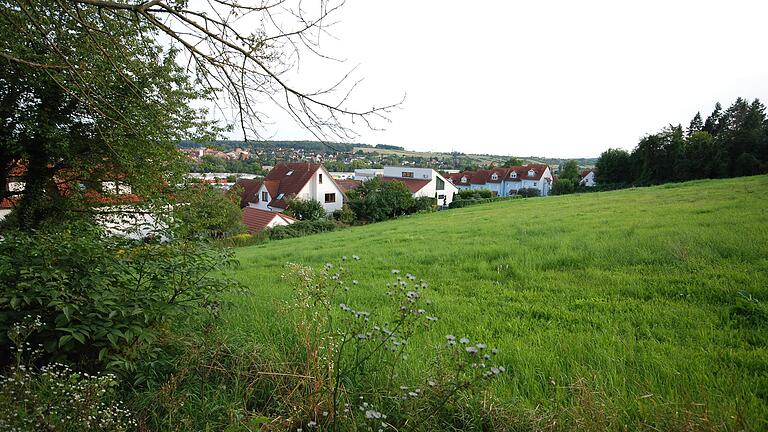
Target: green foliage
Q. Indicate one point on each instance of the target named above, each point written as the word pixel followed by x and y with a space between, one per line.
pixel 593 300
pixel 529 192
pixel 103 300
pixel 300 229
pixel 344 215
pixel 305 210
pixel 376 200
pixel 564 186
pixel 512 162
pixel 475 194
pixel 202 211
pixel 569 171
pixel 111 118
pixel 460 203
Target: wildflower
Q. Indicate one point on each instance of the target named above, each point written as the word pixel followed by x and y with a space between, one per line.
pixel 371 414
pixel 354 282
pixel 482 346
pixel 312 424
pixel 344 258
pixel 361 336
pixel 450 337
pixel 431 383
pixel 395 271
pixel 495 351
pixel 431 318
pixel 355 257
pixel 464 340
pixel 471 350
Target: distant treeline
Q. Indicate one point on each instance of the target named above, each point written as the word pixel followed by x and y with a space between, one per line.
pixel 315 146
pixel 729 143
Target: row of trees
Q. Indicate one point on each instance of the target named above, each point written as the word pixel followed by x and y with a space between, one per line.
pixel 729 143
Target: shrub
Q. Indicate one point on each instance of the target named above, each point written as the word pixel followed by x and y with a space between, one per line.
pixel 376 200
pixel 468 202
pixel 423 204
pixel 345 215
pixel 103 301
pixel 55 397
pixel 529 192
pixel 475 194
pixel 300 229
pixel 305 210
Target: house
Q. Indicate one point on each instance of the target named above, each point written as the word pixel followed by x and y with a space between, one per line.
pixel 506 181
pixel 301 180
pixel 347 185
pixel 423 182
pixel 258 220
pixel 368 173
pixel 587 178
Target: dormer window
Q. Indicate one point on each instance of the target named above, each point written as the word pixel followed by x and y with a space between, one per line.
pixel 464 179
pixel 531 173
pixel 513 174
pixel 494 176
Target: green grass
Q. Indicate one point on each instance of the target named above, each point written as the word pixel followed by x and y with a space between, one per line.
pixel 639 309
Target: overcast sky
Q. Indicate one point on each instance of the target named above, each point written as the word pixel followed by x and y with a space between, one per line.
pixel 545 78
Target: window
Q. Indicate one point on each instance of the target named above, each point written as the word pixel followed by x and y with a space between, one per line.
pixel 264 196
pixel 531 173
pixel 289 172
pixel 406 174
pixel 330 197
pixel 441 197
pixel 513 174
pixel 534 183
pixel 464 179
pixel 494 176
pixel 280 196
pixel 320 180
pixel 439 184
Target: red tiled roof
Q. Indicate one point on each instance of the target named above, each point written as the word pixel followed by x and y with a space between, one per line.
pixel 278 181
pixel 481 177
pixel 250 190
pixel 413 185
pixel 346 185
pixel 585 173
pixel 257 220
pixel 8 203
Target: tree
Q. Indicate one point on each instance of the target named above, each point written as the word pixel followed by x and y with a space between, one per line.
pixel 512 162
pixel 696 125
pixel 306 210
pixel 713 123
pixel 202 211
pixel 376 200
pixel 614 166
pixel 570 171
pixel 564 186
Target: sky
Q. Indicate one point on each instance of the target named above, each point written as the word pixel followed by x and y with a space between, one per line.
pixel 547 78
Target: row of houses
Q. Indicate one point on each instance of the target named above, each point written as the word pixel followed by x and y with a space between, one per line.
pixel 506 181
pixel 262 200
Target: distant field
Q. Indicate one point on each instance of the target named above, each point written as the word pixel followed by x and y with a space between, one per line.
pixel 634 309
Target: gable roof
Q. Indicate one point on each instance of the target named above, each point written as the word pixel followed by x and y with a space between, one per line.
pixel 288 179
pixel 413 185
pixel 257 220
pixel 250 190
pixel 346 185
pixel 585 173
pixel 481 177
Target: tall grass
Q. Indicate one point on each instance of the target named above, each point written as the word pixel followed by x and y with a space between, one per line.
pixel 639 309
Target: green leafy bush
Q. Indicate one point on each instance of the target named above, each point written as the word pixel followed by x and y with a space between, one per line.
pixel 300 229
pixel 468 202
pixel 103 301
pixel 344 215
pixel 305 210
pixel 475 194
pixel 529 192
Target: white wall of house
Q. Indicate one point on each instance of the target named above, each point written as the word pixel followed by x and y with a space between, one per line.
pixel 589 179
pixel 277 221
pixel 408 172
pixel 318 191
pixel 444 196
pixel 262 204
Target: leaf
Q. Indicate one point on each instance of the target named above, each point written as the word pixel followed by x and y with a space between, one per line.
pixel 103 353
pixel 67 312
pixel 64 339
pixel 112 338
pixel 79 336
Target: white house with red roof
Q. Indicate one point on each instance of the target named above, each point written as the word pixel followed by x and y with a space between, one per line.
pixel 257 220
pixel 506 181
pixel 423 182
pixel 302 180
pixel 587 178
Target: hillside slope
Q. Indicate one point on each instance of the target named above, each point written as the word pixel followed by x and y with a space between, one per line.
pixel 642 308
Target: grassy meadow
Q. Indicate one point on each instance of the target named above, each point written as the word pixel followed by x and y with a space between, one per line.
pixel 634 309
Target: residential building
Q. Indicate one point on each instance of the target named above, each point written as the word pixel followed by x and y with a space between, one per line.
pixel 587 178
pixel 257 220
pixel 506 181
pixel 423 182
pixel 301 180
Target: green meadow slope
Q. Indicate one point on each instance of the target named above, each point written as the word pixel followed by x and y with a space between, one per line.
pixel 639 309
